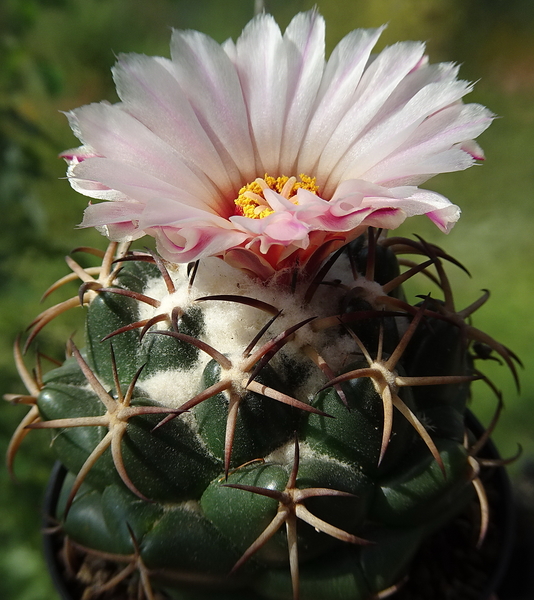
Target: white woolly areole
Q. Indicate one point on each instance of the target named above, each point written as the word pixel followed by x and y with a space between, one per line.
pixel 174 387
pixel 368 290
pixel 284 455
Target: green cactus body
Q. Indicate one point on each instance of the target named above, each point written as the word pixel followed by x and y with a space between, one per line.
pixel 233 439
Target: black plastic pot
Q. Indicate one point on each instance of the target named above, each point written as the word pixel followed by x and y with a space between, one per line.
pixel 449 565
pixel 518 582
pixel 53 542
pixel 503 512
pixel 501 534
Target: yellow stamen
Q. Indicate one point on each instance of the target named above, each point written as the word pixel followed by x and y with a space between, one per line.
pixel 252 203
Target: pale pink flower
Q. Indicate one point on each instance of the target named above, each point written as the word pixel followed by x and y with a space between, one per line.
pixel 190 132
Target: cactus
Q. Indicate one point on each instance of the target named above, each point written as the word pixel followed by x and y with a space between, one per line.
pixel 292 428
pixel 302 439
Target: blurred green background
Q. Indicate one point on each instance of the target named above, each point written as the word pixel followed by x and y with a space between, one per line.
pixel 56 55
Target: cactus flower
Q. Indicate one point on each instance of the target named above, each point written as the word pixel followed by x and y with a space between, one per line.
pixel 263 152
pixel 224 434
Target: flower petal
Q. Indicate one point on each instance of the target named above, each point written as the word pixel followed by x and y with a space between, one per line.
pixel 192 243
pixel 125 181
pixel 305 48
pixel 385 137
pixel 115 134
pixel 116 220
pixel 445 218
pixel 437 146
pixel 210 80
pixel 377 83
pixel 151 93
pixel 261 63
pixel 281 228
pixel 340 80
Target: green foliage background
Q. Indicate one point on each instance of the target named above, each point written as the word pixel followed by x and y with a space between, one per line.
pixel 56 55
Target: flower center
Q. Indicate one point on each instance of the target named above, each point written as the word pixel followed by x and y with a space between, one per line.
pixel 252 203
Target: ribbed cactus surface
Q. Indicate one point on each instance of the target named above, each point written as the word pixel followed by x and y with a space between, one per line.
pixel 227 438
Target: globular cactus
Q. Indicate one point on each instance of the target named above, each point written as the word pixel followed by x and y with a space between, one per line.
pixel 230 439
pixel 258 412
